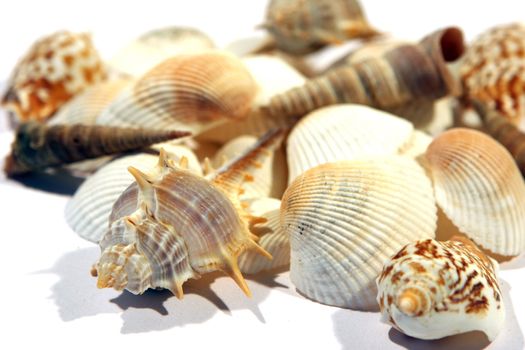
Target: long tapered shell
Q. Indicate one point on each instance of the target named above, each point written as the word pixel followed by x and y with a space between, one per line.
pixel 56 68
pixel 480 188
pixel 432 289
pixel 190 92
pixel 272 238
pixel 157 45
pixel 385 82
pixel 346 218
pixel 38 146
pixel 301 27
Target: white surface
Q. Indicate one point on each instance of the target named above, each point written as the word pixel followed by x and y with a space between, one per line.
pixel 48 297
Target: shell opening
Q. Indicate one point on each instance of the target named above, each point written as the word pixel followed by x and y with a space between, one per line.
pixel 452 45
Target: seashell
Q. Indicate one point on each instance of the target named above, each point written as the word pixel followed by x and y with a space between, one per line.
pixel 480 189
pixel 300 27
pixel 56 68
pixel 86 107
pixel 189 92
pixel 272 238
pixel 344 132
pixel 157 45
pixel 87 213
pixel 432 289
pixel 493 70
pixel 386 82
pixel 417 145
pixel 344 219
pixel 38 146
pixel 173 225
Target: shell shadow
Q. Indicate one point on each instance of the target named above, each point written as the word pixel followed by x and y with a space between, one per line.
pixel 57 181
pixel 76 296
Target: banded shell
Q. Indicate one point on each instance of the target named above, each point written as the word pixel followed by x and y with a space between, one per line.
pixel 173 225
pixel 272 238
pixel 480 189
pixel 344 132
pixel 345 219
pixel 432 289
pixel 300 27
pixel 190 92
pixel 157 45
pixel 38 146
pixel 387 82
pixel 56 68
pixel 493 70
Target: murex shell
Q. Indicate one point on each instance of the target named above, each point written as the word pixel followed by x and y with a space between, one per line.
pixel 480 189
pixel 433 289
pixel 345 219
pixel 56 68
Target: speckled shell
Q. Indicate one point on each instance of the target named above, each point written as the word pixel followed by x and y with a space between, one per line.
pixel 56 68
pixel 433 289
pixel 157 45
pixel 493 70
pixel 480 188
pixel 345 219
pixel 300 27
pixel 190 92
pixel 344 132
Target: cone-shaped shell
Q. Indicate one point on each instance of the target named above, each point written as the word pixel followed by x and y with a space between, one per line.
pixel 344 132
pixel 480 188
pixel 189 92
pixel 38 146
pixel 432 289
pixel 345 219
pixel 56 68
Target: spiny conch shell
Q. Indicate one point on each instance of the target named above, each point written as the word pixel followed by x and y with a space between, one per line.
pixel 180 225
pixel 272 238
pixel 345 219
pixel 272 76
pixel 157 45
pixel 38 146
pixel 87 213
pixel 269 180
pixel 480 189
pixel 56 68
pixel 187 92
pixel 386 82
pixel 432 289
pixel 493 71
pixel 86 107
pixel 344 132
pixel 300 27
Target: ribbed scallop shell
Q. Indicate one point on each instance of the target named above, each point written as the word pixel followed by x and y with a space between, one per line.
pixel 190 92
pixel 480 188
pixel 56 68
pixel 345 219
pixel 432 289
pixel 344 132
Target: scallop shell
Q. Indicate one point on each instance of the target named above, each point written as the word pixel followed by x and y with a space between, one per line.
pixel 157 45
pixel 187 92
pixel 344 132
pixel 432 289
pixel 345 219
pixel 480 188
pixel 56 68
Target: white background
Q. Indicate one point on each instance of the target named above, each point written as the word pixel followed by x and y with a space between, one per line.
pixel 47 297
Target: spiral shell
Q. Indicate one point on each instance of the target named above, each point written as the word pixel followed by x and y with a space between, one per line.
pixel 56 68
pixel 346 218
pixel 433 289
pixel 480 189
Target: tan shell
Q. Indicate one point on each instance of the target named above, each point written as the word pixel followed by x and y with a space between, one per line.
pixel 480 188
pixel 56 68
pixel 432 289
pixel 345 219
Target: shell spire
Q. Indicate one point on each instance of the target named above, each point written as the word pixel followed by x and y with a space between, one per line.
pixel 38 146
